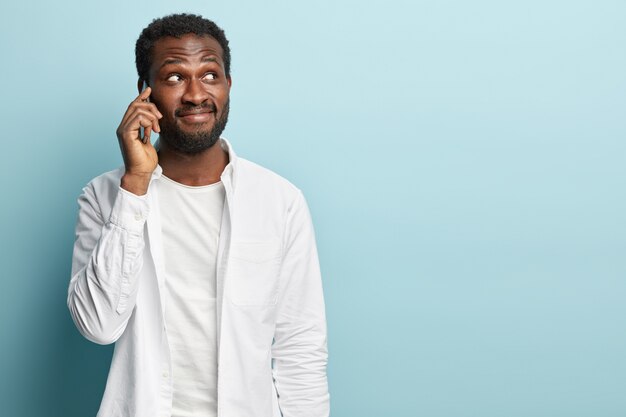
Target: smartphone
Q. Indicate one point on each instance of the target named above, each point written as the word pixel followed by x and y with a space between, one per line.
pixel 143 88
pixel 141 128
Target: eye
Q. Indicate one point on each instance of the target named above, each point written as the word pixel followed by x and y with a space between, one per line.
pixel 210 76
pixel 174 77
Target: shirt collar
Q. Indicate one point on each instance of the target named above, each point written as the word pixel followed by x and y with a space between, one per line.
pixel 227 176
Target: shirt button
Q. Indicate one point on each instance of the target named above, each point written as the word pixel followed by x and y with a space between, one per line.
pixel 165 374
pixel 138 216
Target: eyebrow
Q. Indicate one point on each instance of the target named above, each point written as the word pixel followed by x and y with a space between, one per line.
pixel 174 61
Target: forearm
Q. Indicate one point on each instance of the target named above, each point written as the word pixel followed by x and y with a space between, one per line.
pixel 299 352
pixel 106 265
pixel 300 372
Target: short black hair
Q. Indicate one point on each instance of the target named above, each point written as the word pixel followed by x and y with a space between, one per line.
pixel 176 25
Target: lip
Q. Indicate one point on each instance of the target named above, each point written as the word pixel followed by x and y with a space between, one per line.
pixel 196 117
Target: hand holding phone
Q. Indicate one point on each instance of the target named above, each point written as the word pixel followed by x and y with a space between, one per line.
pixel 133 133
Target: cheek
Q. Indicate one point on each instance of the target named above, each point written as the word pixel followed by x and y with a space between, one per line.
pixel 222 97
pixel 165 104
pixel 166 110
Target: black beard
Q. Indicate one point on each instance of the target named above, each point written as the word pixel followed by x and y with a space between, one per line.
pixel 194 143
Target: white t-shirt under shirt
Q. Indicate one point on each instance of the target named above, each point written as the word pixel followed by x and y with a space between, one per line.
pixel 191 219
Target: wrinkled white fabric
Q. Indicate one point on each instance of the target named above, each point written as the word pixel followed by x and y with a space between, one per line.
pixel 271 324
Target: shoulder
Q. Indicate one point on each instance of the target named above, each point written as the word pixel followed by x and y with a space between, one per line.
pixel 106 181
pixel 265 191
pixel 251 174
pixel 103 188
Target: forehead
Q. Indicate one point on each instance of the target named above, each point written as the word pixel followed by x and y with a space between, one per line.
pixel 187 47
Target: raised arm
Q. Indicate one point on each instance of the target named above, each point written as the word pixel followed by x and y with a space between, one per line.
pixel 108 252
pixel 106 264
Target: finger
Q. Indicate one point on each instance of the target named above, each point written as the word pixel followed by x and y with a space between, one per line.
pixel 147 108
pixel 155 126
pixel 146 135
pixel 135 104
pixel 143 96
pixel 136 107
pixel 144 121
pixel 151 111
pixel 141 99
pixel 131 129
pixel 151 107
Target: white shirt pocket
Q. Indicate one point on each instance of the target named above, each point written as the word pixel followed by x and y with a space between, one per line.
pixel 253 273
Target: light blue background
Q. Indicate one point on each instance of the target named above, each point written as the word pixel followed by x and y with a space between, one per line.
pixel 463 161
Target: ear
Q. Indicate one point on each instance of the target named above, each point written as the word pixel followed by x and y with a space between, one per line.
pixel 230 81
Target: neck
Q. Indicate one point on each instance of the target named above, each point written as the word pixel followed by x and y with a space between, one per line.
pixel 203 168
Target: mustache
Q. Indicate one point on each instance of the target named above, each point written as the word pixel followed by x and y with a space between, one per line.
pixel 192 109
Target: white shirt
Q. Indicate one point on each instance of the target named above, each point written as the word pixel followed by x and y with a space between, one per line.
pixel 191 218
pixel 271 324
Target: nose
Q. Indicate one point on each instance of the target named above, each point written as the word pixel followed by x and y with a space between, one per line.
pixel 195 93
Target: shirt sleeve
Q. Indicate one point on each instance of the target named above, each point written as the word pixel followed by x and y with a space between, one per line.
pixel 299 351
pixel 107 259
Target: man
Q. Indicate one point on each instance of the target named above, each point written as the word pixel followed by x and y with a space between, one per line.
pixel 200 266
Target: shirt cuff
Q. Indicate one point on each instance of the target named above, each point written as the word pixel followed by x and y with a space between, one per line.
pixel 130 211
